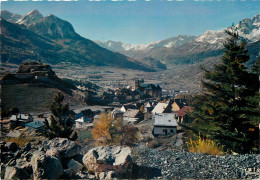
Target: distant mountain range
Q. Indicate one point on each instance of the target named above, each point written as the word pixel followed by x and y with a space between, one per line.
pixel 190 49
pixel 53 40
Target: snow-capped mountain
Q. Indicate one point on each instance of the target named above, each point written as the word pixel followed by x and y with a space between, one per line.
pixel 189 49
pixel 11 17
pixel 30 18
pixel 248 28
pixel 124 47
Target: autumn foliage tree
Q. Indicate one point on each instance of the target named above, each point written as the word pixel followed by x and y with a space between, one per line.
pixel 109 131
pixel 228 111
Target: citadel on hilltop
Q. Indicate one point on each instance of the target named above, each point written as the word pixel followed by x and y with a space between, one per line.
pixel 29 71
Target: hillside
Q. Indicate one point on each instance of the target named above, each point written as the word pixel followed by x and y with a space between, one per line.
pixel 55 41
pixel 32 88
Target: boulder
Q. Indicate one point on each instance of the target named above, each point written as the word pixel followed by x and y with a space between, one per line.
pixel 61 147
pixel 2 146
pixel 15 173
pixel 11 146
pixel 27 146
pixel 109 158
pixel 84 175
pixel 110 175
pixel 25 165
pixel 46 167
pixel 67 174
pixel 74 166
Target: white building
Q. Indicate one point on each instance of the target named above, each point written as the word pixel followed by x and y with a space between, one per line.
pixel 165 124
pixel 83 123
pixel 21 119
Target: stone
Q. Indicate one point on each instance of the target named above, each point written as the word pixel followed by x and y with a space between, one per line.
pixel 67 174
pixel 84 175
pixel 25 165
pixel 78 158
pixel 109 158
pixel 11 146
pixel 17 154
pixel 15 173
pixel 61 147
pixel 27 146
pixel 111 175
pixel 74 166
pixel 101 175
pixel 2 146
pixel 46 167
pixel 12 162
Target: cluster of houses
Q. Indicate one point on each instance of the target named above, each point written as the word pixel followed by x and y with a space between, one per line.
pixel 165 115
pixel 124 95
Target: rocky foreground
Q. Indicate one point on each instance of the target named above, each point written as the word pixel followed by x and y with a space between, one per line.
pixel 61 158
pixel 169 164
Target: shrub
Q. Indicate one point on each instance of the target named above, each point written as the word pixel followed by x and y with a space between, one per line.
pixel 25 137
pixel 205 146
pixel 153 144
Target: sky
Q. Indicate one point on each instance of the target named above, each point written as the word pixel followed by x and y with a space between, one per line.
pixel 141 21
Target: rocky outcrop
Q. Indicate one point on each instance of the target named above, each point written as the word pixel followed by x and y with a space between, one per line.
pixel 11 146
pixel 46 167
pixel 61 147
pixel 43 161
pixel 15 173
pixel 74 166
pixel 109 161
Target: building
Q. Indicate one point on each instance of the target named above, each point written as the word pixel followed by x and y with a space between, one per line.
pixel 29 71
pixel 21 119
pixel 116 114
pixel 148 107
pixel 38 126
pixel 165 124
pixel 82 123
pixel 177 104
pixel 148 90
pixel 182 114
pixel 124 108
pixel 161 108
pixel 132 116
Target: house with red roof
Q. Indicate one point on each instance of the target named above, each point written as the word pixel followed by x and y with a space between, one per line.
pixel 182 114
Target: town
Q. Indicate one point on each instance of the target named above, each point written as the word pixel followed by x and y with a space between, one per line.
pixel 134 105
pixel 130 90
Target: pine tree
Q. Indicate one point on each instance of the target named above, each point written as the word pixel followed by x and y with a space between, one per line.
pixel 60 125
pixel 227 110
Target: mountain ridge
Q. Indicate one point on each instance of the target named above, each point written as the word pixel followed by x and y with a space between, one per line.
pixel 193 48
pixel 68 46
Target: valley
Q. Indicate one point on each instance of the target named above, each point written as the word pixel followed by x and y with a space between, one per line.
pixel 178 107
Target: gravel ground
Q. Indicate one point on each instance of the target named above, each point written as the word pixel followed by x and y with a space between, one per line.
pixel 167 164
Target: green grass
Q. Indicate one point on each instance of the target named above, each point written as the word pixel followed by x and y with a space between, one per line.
pixel 27 98
pixel 84 135
pixel 30 98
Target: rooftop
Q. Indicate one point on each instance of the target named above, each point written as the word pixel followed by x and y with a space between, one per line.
pixel 165 119
pixel 35 124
